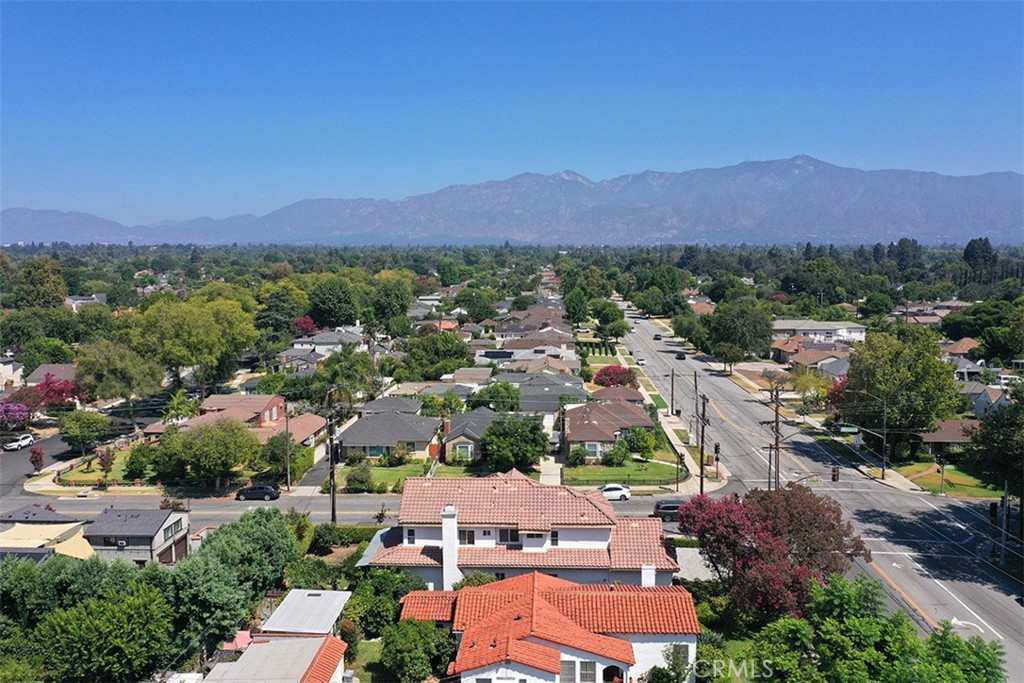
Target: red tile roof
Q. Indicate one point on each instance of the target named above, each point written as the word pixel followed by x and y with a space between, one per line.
pixel 326 661
pixel 511 499
pixel 497 617
pixel 601 420
pixel 633 543
pixel 961 347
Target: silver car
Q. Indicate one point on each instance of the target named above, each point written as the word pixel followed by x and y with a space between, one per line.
pixel 21 442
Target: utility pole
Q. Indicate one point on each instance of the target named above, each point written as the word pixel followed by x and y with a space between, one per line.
pixel 778 432
pixel 1003 523
pixel 287 450
pixel 672 395
pixel 703 425
pixel 330 455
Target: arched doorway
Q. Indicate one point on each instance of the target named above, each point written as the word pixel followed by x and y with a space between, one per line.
pixel 613 674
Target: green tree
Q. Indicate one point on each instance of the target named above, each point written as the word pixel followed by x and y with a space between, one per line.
pixel 277 451
pixel 375 601
pixel 997 445
pixel 40 350
pixel 876 303
pixel 392 296
pixel 414 650
pixel 577 457
pixel 576 308
pixel 901 381
pixel 108 370
pixel 212 451
pixel 729 354
pixel 501 397
pixel 360 478
pixel 40 283
pixel 256 548
pixel 332 303
pixel 651 301
pixel 616 456
pixel 443 406
pixel 179 407
pixel 117 637
pixel 613 330
pixel 641 440
pixel 474 578
pixel 179 335
pixel 209 603
pixel 746 325
pixel 514 443
pixel 225 291
pixel 80 429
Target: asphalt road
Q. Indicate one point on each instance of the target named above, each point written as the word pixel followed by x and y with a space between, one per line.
pixel 927 550
pixel 15 465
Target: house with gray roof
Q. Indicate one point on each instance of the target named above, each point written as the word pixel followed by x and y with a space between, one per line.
pixel 462 440
pixel 378 434
pixel 388 404
pixel 35 513
pixel 140 536
pixel 327 342
pixel 463 391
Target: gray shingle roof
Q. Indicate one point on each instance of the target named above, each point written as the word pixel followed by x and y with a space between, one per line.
pixel 35 514
pixel 112 522
pixel 387 429
pixel 386 404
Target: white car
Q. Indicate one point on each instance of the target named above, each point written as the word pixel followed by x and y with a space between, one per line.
pixel 20 442
pixel 641 361
pixel 615 492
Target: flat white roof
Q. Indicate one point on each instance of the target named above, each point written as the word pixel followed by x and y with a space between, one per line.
pixel 784 324
pixel 307 611
pixel 282 660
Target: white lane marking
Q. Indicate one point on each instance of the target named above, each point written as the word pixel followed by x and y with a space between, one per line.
pixel 957 622
pixel 953 595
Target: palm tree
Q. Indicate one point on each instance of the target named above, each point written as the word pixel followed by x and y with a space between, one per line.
pixel 180 407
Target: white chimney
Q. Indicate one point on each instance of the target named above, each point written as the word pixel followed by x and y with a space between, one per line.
pixel 647 575
pixel 450 547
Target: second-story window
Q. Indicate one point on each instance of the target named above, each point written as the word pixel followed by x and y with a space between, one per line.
pixel 410 536
pixel 467 537
pixel 508 536
pixel 554 539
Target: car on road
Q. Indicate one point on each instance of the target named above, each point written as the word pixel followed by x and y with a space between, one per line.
pixel 20 442
pixel 680 355
pixel 258 492
pixel 615 492
pixel 641 361
pixel 667 510
pixel 657 337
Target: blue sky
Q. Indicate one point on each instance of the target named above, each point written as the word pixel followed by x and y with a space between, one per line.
pixel 148 111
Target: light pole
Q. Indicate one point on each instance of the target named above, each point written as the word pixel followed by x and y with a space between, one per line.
pixel 885 425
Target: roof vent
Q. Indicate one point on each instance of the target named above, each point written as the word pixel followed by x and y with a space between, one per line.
pixel 314 595
pixel 494 643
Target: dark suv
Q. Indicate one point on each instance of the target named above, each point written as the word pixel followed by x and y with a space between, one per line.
pixel 258 492
pixel 667 510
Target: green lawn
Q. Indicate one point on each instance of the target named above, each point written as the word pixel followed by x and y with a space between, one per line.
pixel 602 360
pixel 659 401
pixel 94 474
pixel 367 664
pixel 389 475
pixel 958 484
pixel 633 472
pixel 683 435
pixel 917 468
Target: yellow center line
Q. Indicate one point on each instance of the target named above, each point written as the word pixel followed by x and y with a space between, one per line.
pixel 910 601
pixel 759 436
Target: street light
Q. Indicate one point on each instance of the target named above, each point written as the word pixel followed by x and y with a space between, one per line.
pixel 885 424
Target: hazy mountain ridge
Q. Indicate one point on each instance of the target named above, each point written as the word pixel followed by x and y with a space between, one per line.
pixel 782 201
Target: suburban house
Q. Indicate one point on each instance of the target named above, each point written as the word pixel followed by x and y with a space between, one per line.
pixel 390 404
pixel 307 612
pixel 821 331
pixel 473 376
pixel 835 368
pixel 298 360
pixel 545 392
pixel 58 371
pixel 285 659
pixel 961 347
pixel 263 414
pixel 509 524
pixel 12 373
pixel 326 343
pixel 463 432
pixel 965 369
pixel 35 532
pixel 140 536
pixel 462 391
pixel 538 628
pixel 378 434
pixel 949 436
pixel 811 357
pixel 619 393
pixel 598 425
pixel 77 303
pixel 990 399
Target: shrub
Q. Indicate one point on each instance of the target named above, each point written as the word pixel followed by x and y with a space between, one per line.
pixel 380 487
pixel 360 478
pixel 352 635
pixel 138 460
pixel 615 375
pixel 354 458
pixel 312 573
pixel 616 456
pixel 396 457
pixel 577 457
pixel 399 486
pixel 326 536
pixel 474 578
pixel 640 440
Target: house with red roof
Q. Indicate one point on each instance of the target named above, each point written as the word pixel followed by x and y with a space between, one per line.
pixel 598 425
pixel 537 627
pixel 507 524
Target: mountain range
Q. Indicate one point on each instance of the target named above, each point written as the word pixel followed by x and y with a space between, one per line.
pixel 757 202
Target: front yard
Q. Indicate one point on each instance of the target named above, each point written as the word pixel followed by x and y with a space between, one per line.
pixel 958 483
pixel 632 473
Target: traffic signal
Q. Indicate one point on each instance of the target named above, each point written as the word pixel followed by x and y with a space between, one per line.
pixel 718 448
pixel 835 472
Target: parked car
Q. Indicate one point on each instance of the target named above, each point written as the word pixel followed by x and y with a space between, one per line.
pixel 258 492
pixel 667 510
pixel 20 442
pixel 680 356
pixel 641 361
pixel 615 492
pixel 657 337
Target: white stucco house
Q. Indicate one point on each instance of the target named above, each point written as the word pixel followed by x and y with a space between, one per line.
pixel 543 629
pixel 509 524
pixel 819 330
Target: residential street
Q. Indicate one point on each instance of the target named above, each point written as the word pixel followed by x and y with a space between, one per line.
pixel 925 549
